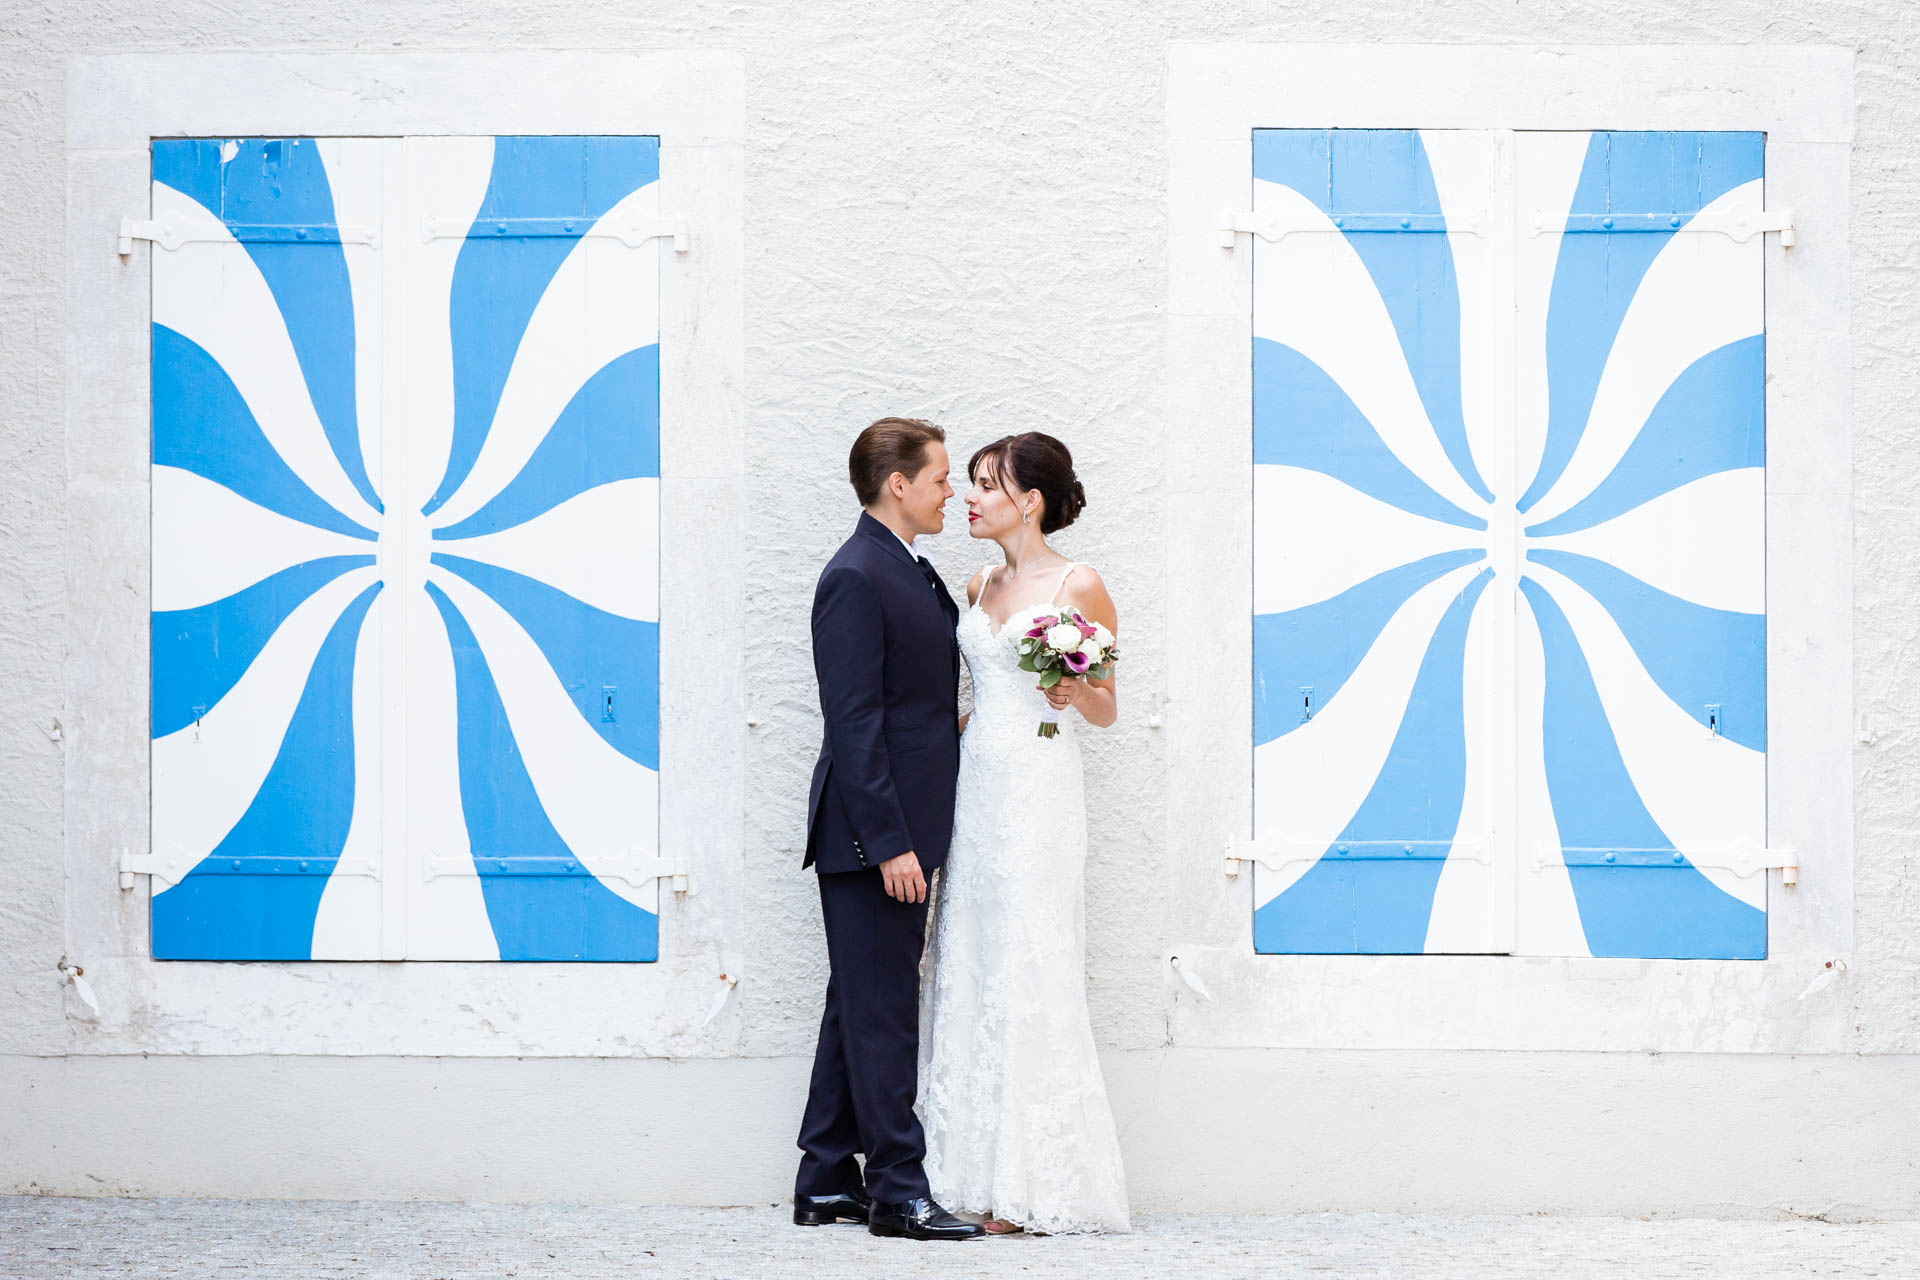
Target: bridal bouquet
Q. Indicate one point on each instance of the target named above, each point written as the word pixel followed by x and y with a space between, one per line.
pixel 1058 641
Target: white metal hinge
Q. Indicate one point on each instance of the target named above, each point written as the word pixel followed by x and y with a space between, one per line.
pixel 1739 227
pixel 164 868
pixel 635 868
pixel 1273 227
pixel 1740 860
pixel 1279 854
pixel 640 868
pixel 171 233
pixel 632 233
pixel 136 864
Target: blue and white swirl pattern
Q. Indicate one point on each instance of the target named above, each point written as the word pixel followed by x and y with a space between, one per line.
pixel 1509 642
pixel 405 532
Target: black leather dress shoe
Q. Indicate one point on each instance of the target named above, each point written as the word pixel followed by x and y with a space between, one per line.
pixel 819 1211
pixel 919 1219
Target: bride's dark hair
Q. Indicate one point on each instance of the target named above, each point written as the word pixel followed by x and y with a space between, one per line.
pixel 1034 460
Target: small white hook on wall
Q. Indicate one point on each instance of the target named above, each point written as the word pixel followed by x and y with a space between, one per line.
pixel 1824 979
pixel 728 981
pixel 72 973
pixel 1187 975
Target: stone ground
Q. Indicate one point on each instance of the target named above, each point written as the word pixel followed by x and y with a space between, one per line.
pixel 45 1236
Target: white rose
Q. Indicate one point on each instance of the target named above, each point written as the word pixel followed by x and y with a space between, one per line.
pixel 1090 647
pixel 1064 638
pixel 1102 635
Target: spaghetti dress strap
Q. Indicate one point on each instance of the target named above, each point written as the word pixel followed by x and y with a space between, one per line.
pixel 1063 582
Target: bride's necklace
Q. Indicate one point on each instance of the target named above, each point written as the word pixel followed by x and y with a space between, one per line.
pixel 1012 580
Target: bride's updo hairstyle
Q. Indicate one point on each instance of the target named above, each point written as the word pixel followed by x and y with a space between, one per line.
pixel 1034 460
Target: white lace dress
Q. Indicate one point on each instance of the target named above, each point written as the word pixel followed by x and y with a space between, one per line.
pixel 1015 1111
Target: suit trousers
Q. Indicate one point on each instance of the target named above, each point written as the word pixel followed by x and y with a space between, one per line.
pixel 866 1067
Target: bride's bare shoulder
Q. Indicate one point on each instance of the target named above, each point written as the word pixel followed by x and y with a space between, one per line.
pixel 1087 591
pixel 1084 578
pixel 1084 574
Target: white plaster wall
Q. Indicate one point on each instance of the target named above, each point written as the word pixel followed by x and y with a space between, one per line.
pixel 957 212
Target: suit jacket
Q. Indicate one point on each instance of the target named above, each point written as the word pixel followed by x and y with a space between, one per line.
pixel 888 666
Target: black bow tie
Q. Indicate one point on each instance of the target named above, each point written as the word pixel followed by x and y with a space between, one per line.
pixel 926 567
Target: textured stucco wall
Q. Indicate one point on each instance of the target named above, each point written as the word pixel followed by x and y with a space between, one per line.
pixel 956 212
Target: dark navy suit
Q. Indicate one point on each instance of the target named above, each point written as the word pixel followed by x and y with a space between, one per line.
pixel 888 666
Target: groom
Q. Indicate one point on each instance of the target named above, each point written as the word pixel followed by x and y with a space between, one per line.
pixel 878 822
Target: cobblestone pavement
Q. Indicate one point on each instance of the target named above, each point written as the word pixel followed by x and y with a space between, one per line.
pixel 310 1240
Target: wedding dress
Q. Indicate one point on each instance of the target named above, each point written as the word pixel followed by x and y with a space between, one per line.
pixel 1015 1111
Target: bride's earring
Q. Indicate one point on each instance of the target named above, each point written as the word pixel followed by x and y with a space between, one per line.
pixel 1026 517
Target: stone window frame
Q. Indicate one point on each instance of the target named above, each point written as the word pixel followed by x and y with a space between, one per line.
pixel 694 102
pixel 1802 99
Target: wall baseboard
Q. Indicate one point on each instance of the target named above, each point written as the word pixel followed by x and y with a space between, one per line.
pixel 1223 1130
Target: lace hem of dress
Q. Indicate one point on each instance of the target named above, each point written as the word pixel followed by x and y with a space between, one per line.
pixel 1016 1113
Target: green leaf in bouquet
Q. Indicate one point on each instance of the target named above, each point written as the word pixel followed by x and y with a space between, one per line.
pixel 1050 678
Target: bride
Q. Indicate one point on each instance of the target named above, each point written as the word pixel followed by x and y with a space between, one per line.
pixel 1015 1111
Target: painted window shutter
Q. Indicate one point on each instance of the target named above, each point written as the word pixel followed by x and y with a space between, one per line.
pixel 1509 615
pixel 405 549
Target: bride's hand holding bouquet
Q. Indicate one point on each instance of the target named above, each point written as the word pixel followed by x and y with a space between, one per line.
pixel 1059 643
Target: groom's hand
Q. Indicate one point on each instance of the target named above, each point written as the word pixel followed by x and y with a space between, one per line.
pixel 903 878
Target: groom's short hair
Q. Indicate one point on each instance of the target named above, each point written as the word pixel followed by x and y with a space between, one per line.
pixel 889 445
